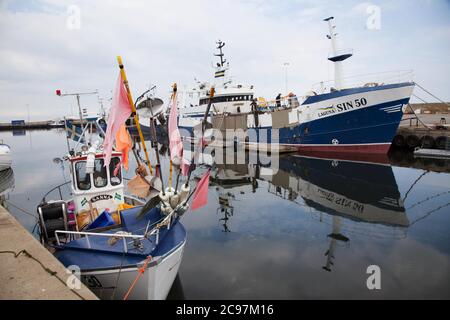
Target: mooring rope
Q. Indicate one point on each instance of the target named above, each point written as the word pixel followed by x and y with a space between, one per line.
pixel 432 94
pixel 427 199
pixel 415 115
pixel 428 214
pixel 20 209
pixel 118 275
pixel 414 183
pixel 140 273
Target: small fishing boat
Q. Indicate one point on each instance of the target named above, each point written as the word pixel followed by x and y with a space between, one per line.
pixel 122 246
pixel 5 157
pixel 99 231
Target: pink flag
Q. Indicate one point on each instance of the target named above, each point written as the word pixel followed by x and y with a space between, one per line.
pixel 201 192
pixel 118 114
pixel 185 165
pixel 175 144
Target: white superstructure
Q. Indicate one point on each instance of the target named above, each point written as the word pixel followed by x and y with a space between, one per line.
pixel 229 97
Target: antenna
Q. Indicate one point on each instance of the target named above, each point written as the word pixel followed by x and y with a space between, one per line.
pixel 220 45
pixel 77 95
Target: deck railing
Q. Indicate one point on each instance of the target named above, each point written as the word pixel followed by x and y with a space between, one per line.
pixel 366 80
pixel 124 237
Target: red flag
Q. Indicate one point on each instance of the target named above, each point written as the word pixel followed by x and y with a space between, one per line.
pixel 201 192
pixel 175 144
pixel 118 114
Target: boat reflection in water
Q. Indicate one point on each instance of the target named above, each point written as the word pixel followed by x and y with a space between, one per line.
pixel 6 184
pixel 352 196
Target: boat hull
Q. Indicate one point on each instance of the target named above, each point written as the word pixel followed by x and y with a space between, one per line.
pixel 5 157
pixel 357 120
pixel 362 120
pixel 154 284
pixel 108 271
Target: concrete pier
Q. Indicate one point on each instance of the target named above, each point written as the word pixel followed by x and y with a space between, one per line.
pixel 23 277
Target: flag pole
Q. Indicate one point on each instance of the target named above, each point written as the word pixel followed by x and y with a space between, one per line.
pixel 133 108
pixel 204 122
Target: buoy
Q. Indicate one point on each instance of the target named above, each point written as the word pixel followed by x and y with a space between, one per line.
pixel 183 209
pixel 184 192
pixel 166 209
pixel 174 200
pixel 164 196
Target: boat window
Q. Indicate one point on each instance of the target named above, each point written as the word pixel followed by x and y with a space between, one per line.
pixel 83 178
pixel 100 177
pixel 116 179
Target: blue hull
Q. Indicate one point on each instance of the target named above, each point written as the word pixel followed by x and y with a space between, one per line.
pixel 370 125
pixel 339 122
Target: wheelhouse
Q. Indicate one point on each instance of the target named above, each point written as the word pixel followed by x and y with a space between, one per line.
pixel 101 177
pixel 96 187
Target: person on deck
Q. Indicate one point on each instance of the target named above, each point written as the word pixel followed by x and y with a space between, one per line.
pixel 278 100
pixel 254 106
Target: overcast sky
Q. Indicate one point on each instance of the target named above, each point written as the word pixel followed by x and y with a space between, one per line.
pixel 43 48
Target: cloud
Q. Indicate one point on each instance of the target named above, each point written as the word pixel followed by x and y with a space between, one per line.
pixel 165 42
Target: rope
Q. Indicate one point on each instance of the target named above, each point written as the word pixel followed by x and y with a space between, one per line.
pixel 427 199
pixel 414 183
pixel 432 94
pixel 118 276
pixel 140 273
pixel 22 210
pixel 429 213
pixel 48 270
pixel 415 115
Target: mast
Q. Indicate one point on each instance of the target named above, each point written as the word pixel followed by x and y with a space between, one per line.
pixel 77 95
pixel 337 56
pixel 220 45
pixel 221 68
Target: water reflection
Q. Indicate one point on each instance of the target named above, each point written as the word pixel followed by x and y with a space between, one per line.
pixel 6 184
pixel 352 194
pixel 365 192
pixel 264 236
pixel 312 229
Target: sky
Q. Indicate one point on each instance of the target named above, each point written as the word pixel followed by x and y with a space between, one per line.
pixel 72 46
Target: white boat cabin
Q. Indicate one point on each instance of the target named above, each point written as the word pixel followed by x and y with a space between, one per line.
pixel 95 187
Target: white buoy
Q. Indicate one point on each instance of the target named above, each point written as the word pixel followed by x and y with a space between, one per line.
pixel 174 200
pixel 184 192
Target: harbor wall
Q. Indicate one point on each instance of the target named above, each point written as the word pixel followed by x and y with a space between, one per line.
pixel 28 271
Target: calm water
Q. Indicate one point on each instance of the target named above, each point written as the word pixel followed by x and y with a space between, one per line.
pixel 309 231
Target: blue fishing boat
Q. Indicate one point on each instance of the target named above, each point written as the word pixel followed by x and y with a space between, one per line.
pixel 109 237
pixel 120 246
pixel 353 115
